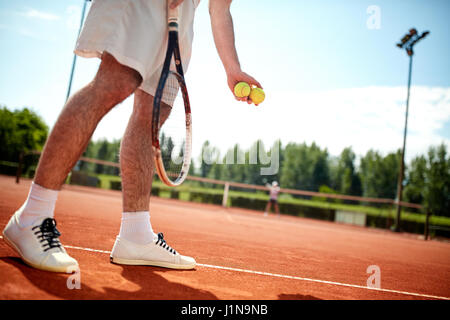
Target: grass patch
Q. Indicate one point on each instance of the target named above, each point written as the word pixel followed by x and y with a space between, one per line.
pixel 105 180
pixel 9 163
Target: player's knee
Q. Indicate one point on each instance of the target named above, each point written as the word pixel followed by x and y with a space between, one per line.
pixel 143 107
pixel 115 82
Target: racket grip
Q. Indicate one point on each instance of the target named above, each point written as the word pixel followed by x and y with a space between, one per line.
pixel 172 14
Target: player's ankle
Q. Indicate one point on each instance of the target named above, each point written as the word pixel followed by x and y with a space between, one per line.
pixel 40 203
pixel 136 227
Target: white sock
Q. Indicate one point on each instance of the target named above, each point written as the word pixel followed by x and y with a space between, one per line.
pixel 136 227
pixel 40 203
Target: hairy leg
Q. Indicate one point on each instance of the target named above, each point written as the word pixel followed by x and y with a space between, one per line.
pixel 136 156
pixel 79 118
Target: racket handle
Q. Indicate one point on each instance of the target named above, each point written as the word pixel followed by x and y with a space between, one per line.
pixel 172 16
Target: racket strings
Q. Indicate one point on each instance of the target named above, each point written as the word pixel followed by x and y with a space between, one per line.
pixel 172 134
pixel 170 90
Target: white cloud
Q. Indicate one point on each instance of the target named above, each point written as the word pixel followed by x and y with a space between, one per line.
pixel 33 13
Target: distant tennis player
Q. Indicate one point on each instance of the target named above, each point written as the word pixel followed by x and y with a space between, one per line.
pixel 130 38
pixel 273 200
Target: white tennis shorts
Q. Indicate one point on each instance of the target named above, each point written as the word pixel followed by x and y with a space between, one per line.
pixel 135 33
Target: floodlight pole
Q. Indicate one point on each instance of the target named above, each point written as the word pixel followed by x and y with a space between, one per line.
pixel 402 163
pixel 408 41
pixel 75 56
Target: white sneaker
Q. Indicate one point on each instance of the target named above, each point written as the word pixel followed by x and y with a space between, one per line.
pixel 157 253
pixel 38 245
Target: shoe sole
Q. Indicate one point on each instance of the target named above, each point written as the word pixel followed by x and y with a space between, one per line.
pixel 151 263
pixel 31 264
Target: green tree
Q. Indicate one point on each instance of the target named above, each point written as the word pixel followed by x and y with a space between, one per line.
pixel 235 170
pixel 254 157
pixel 102 154
pixel 304 167
pixel 345 179
pixel 20 130
pixel 321 172
pixel 205 159
pixel 90 152
pixel 437 182
pixel 379 174
pixel 102 150
pixel 415 177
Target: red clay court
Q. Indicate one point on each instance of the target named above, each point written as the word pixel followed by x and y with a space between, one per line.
pixel 240 254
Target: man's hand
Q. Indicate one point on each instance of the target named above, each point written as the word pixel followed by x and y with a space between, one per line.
pixel 237 76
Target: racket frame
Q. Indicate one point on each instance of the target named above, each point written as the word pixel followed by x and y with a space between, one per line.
pixel 173 49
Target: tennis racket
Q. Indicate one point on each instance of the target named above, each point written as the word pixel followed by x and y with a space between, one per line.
pixel 172 136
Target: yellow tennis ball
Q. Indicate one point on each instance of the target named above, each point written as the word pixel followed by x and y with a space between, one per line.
pixel 242 89
pixel 257 95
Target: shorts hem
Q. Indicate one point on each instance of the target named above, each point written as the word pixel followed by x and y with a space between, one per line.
pixel 88 49
pixel 96 50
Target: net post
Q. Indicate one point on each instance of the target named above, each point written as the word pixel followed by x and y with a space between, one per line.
pixel 19 167
pixel 225 195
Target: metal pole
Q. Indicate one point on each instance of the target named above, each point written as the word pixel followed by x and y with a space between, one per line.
pixel 75 56
pixel 402 163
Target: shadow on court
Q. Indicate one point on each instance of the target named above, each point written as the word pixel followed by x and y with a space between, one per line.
pixel 284 296
pixel 151 285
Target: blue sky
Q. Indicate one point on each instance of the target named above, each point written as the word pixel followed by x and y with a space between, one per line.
pixel 328 78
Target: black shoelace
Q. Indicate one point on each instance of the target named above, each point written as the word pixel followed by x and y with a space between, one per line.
pixel 48 234
pixel 164 244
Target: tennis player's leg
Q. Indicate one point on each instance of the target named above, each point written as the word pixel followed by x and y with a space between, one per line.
pixel 136 157
pixel 268 205
pixel 277 209
pixel 137 243
pixel 67 141
pixel 79 118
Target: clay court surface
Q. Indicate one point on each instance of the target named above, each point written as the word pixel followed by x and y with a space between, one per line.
pixel 240 254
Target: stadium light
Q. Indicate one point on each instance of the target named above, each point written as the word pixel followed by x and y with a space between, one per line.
pixel 407 43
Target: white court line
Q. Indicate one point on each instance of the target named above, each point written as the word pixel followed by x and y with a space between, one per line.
pixel 88 249
pixel 288 277
pixel 322 281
